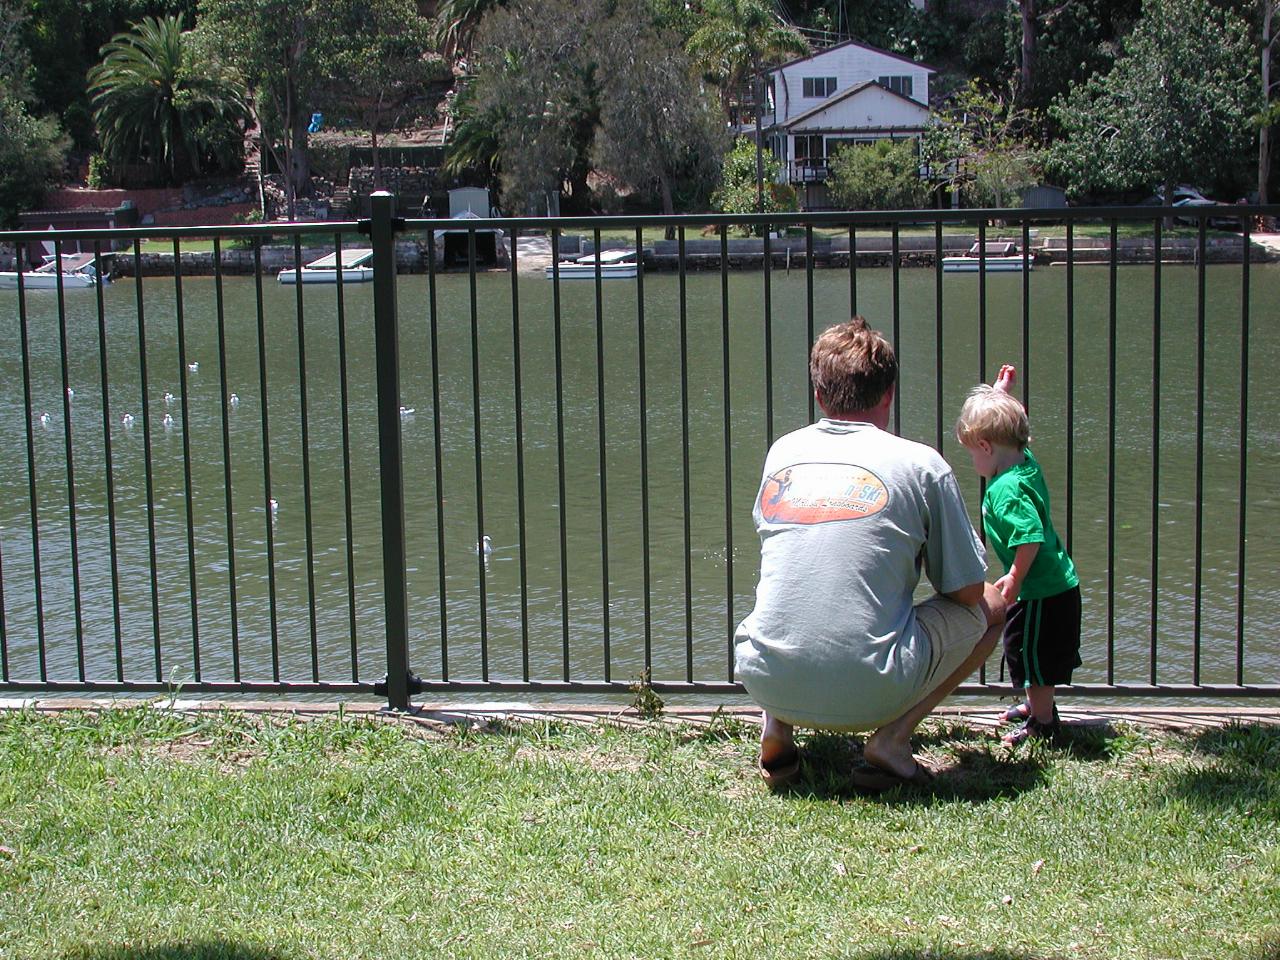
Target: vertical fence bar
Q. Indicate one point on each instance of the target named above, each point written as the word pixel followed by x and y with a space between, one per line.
pixel 853 270
pixel 433 323
pixel 520 504
pixel 728 445
pixel 186 457
pixel 728 484
pixel 808 314
pixel 768 317
pixel 72 520
pixel 1202 270
pixel 1026 316
pixel 112 543
pixel 382 228
pixel 937 328
pixel 345 418
pixel 604 465
pixel 32 490
pixel 560 464
pixel 982 370
pixel 1071 380
pixel 308 533
pixel 1156 337
pixel 897 319
pixel 4 627
pixel 229 400
pixel 1243 489
pixel 1112 270
pixel 687 529
pixel 644 458
pixel 268 503
pixel 146 455
pixel 481 559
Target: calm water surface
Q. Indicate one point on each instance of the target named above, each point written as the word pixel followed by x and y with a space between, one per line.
pixel 619 532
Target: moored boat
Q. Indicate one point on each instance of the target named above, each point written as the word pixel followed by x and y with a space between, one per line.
pixel 75 270
pixel 357 267
pixel 611 265
pixel 1000 256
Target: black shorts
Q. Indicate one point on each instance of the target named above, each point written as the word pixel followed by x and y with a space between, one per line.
pixel 1042 640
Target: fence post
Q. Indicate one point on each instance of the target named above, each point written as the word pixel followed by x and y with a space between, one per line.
pixel 382 227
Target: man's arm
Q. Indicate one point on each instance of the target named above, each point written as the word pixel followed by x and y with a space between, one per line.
pixel 969 595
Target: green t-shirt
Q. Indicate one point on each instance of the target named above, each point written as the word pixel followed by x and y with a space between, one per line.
pixel 1015 510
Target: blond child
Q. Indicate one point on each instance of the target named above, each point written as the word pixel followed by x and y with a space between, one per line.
pixel 1042 633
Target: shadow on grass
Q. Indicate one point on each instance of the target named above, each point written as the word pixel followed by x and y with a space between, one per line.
pixel 1244 770
pixel 193 950
pixel 898 953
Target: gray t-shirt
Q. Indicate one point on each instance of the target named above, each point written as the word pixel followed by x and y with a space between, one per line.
pixel 848 516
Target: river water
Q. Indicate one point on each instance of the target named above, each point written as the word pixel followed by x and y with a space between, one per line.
pixel 594 593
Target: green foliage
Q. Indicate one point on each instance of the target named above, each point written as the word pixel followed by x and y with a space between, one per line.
pixel 881 176
pixel 737 38
pixel 98 172
pixel 737 190
pixel 975 145
pixel 156 102
pixel 658 132
pixel 1176 107
pixel 32 152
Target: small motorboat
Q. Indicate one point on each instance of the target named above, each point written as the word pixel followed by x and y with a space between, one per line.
pixel 612 265
pixel 76 271
pixel 357 267
pixel 1001 256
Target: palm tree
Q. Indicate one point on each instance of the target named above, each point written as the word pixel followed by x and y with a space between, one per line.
pixel 155 101
pixel 456 23
pixel 734 43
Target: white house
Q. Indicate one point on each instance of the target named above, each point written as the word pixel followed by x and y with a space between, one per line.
pixel 847 93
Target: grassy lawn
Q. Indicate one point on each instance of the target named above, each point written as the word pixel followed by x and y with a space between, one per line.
pixel 143 834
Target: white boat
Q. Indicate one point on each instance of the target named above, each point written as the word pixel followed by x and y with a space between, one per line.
pixel 357 267
pixel 76 270
pixel 1002 256
pixel 612 265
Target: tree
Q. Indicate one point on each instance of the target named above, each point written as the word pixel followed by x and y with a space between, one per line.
pixel 377 56
pixel 156 102
pixel 737 191
pixel 536 84
pixel 737 40
pixel 658 129
pixel 1177 107
pixel 884 175
pixel 32 149
pixel 975 145
pixel 273 44
pixel 457 22
pixel 1270 111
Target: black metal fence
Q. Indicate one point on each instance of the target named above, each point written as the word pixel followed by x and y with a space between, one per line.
pixel 370 605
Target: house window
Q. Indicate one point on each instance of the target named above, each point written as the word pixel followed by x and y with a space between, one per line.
pixel 809 149
pixel 900 85
pixel 820 87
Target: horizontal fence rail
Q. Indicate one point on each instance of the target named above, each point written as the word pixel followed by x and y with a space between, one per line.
pixel 493 469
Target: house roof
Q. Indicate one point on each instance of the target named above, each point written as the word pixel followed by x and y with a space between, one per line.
pixel 854 43
pixel 845 94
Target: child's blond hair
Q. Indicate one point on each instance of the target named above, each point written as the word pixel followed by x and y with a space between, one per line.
pixel 994 416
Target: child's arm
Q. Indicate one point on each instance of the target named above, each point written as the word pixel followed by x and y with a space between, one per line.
pixel 1010 585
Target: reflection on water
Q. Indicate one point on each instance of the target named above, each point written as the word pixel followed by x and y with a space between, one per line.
pixel 633 545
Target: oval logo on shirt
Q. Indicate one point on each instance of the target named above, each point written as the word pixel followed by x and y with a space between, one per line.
pixel 822 493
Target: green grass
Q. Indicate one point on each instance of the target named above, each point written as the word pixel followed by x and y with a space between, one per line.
pixel 143 834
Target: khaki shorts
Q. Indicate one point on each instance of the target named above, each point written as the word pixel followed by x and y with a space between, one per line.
pixel 953 631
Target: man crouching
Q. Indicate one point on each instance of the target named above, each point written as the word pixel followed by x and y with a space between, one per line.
pixel 848 513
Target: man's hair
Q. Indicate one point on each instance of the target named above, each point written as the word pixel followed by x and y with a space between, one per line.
pixel 994 416
pixel 852 367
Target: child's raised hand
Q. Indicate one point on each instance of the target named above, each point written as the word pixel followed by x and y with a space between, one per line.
pixel 1005 378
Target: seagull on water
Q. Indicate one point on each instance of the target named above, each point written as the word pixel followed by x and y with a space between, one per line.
pixel 274 504
pixel 127 420
pixel 71 394
pixel 233 400
pixel 44 419
pixel 194 366
pixel 485 546
pixel 168 398
pixel 167 420
pixel 406 412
